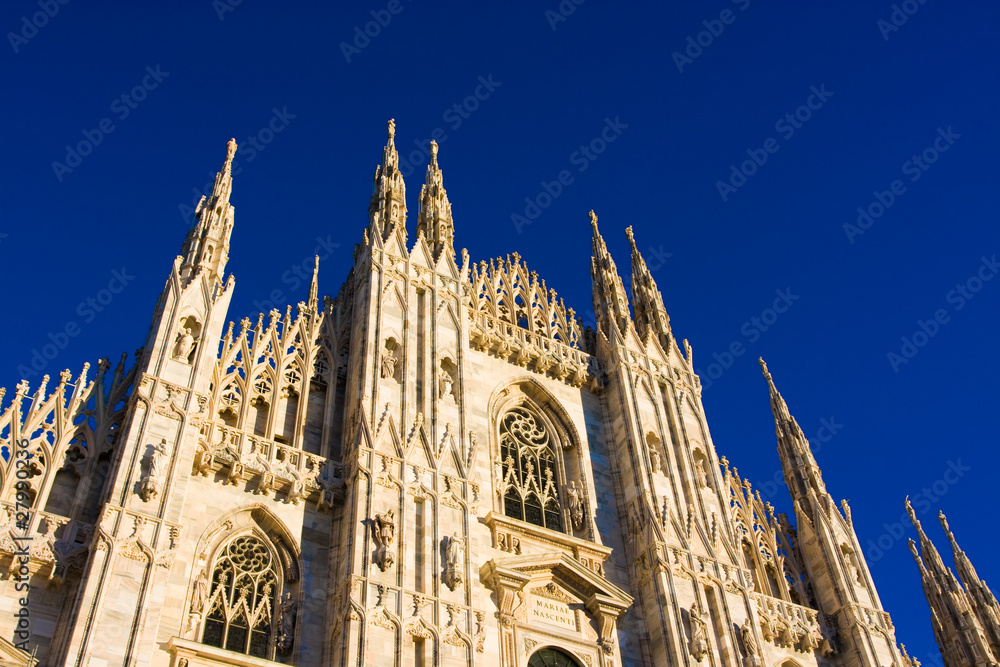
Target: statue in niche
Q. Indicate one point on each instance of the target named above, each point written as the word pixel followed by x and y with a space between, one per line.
pixel 750 644
pixel 699 632
pixel 654 457
pixel 454 549
pixel 385 534
pixel 699 472
pixel 575 505
pixel 445 383
pixel 184 346
pixel 388 365
pixel 149 486
pixel 286 623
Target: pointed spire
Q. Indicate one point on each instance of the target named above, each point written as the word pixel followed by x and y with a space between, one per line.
pixel 387 209
pixel 314 287
pixel 793 447
pixel 206 247
pixel 610 302
pixel 434 219
pixel 647 302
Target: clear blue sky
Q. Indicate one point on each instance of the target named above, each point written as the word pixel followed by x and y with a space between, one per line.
pixel 879 96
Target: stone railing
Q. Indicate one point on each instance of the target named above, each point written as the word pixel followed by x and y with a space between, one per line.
pixel 270 466
pixel 791 625
pixel 534 351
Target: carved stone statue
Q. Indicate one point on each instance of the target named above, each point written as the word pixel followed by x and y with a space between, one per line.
pixel 575 505
pixel 184 346
pixel 454 549
pixel 750 644
pixel 699 633
pixel 149 485
pixel 700 474
pixel 444 384
pixel 654 457
pixel 200 595
pixel 388 365
pixel 385 534
pixel 286 623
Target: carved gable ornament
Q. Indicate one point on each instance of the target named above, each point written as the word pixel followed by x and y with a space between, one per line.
pixel 557 592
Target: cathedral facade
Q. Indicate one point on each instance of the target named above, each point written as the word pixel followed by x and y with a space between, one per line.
pixel 438 466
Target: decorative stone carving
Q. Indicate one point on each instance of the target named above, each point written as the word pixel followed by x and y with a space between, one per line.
pixel 286 623
pixel 575 505
pixel 654 457
pixel 384 535
pixel 184 346
pixel 388 365
pixel 699 632
pixel 700 474
pixel 454 563
pixel 445 382
pixel 149 486
pixel 750 644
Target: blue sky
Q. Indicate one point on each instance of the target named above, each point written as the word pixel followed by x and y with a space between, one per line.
pixel 741 162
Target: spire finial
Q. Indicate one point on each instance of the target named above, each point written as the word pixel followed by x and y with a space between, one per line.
pixel 314 285
pixel 392 128
pixel 230 150
pixel 434 152
pixel 593 220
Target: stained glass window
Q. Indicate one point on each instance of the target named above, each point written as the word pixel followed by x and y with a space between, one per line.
pixel 241 601
pixel 529 484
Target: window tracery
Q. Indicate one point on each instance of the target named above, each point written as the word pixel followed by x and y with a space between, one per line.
pixel 241 602
pixel 529 484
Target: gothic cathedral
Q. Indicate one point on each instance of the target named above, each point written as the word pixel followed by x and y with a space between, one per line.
pixel 436 467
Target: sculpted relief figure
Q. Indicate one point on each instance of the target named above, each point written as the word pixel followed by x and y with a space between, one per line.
pixel 575 505
pixel 286 623
pixel 149 486
pixel 388 365
pixel 454 551
pixel 750 644
pixel 699 633
pixel 385 534
pixel 184 346
pixel 445 383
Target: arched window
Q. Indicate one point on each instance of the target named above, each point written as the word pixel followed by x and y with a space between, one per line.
pixel 242 598
pixel 551 657
pixel 530 478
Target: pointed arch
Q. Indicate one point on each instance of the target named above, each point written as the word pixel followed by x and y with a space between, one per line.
pixel 248 561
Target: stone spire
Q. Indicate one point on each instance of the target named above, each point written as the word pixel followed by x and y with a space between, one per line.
pixel 610 302
pixel 802 473
pixel 647 302
pixel 206 248
pixel 966 621
pixel 387 209
pixel 434 218
pixel 314 287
